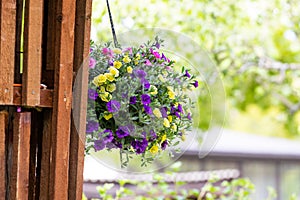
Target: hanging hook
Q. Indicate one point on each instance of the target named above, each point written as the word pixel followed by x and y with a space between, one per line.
pixel 112 26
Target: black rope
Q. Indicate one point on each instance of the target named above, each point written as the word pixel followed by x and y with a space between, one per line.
pixel 112 26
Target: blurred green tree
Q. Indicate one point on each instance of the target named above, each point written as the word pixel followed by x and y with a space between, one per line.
pixel 254 43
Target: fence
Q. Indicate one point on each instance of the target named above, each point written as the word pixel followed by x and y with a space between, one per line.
pixel 42 43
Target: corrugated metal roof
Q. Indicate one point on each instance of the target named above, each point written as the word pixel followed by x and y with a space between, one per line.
pixel 238 144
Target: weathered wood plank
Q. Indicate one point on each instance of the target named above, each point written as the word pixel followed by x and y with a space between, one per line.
pixel 49 35
pixel 32 52
pixel 3 128
pixel 46 156
pixel 7 50
pixel 81 62
pixel 61 118
pixel 19 175
pixel 46 97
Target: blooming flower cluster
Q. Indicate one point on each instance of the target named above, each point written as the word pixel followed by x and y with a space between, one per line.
pixel 137 101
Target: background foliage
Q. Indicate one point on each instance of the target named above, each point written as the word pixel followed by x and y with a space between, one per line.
pixel 254 44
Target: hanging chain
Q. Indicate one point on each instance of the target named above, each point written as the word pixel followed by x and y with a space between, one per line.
pixel 112 26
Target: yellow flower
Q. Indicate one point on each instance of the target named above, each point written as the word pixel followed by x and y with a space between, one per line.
pixel 154 149
pixel 114 71
pixel 129 70
pixel 110 77
pixel 183 137
pixel 102 89
pixel 99 80
pixel 107 116
pixel 163 138
pixel 157 113
pixel 117 64
pixel 111 87
pixel 136 62
pixel 137 56
pixel 174 127
pixel 176 104
pixel 105 96
pixel 170 118
pixel 171 94
pixel 117 51
pixel 161 78
pixel 126 59
pixel 166 123
pixel 153 90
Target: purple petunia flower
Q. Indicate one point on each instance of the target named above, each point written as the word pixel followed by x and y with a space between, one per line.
pixel 163 112
pixel 180 108
pixel 196 84
pixel 148 109
pixel 152 135
pixel 140 146
pixel 106 135
pixel 92 94
pixel 128 49
pixel 113 106
pixel 173 109
pixel 92 63
pixel 107 52
pixel 114 144
pixel 145 83
pixel 148 63
pixel 99 145
pixel 177 114
pixel 187 74
pixel 164 145
pixel 111 63
pixel 189 116
pixel 157 45
pixel 156 54
pixel 145 99
pixel 132 100
pixel 141 74
pixel 122 132
pixel 92 126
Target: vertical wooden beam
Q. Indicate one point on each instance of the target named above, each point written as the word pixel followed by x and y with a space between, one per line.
pixel 32 52
pixel 46 156
pixel 81 63
pixel 61 118
pixel 19 175
pixel 3 125
pixel 7 49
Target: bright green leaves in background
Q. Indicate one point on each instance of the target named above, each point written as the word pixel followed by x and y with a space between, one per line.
pixel 254 44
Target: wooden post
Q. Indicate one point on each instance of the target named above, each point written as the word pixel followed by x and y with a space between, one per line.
pixel 19 175
pixel 32 52
pixel 81 63
pixel 3 128
pixel 7 50
pixel 46 156
pixel 61 118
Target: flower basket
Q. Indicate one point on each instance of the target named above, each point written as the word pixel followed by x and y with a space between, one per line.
pixel 137 102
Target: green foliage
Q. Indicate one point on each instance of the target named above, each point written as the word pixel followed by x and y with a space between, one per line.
pixel 237 34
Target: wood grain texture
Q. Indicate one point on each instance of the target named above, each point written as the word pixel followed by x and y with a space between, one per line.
pixel 46 156
pixel 32 52
pixel 46 97
pixel 7 50
pixel 81 63
pixel 61 118
pixel 3 128
pixel 19 175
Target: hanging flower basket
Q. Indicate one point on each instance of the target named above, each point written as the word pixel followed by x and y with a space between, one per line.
pixel 137 102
